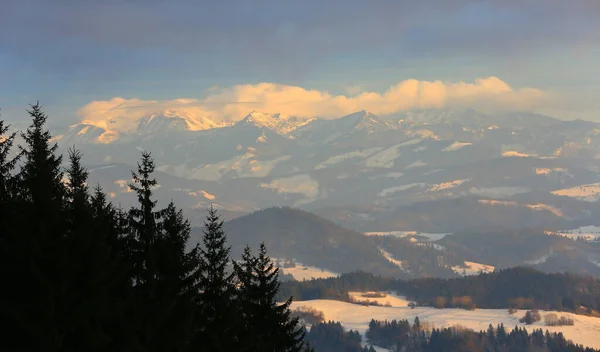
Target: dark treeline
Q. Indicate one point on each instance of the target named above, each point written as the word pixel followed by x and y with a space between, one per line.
pixel 402 336
pixel 521 288
pixel 332 337
pixel 79 274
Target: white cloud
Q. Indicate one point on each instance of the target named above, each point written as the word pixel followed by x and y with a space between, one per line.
pixel 233 103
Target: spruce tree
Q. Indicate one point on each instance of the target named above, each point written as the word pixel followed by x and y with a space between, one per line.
pixel 270 324
pixel 113 224
pixel 7 164
pixel 94 269
pixel 216 329
pixel 144 226
pixel 10 243
pixel 175 284
pixel 36 286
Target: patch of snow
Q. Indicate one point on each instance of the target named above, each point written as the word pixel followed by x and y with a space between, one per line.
pixel 456 146
pixel 83 130
pixel 281 124
pixel 346 156
pixel 391 299
pixel 446 185
pixel 429 236
pixel 410 142
pixel 540 260
pixel 244 166
pixel 391 259
pixel 108 137
pixel 587 193
pixel 423 133
pixel 431 172
pixel 438 247
pixel 546 171
pixel 542 207
pixel 590 233
pixel 418 163
pixel 357 317
pixel 396 189
pixel 473 268
pixel 384 158
pixel 303 272
pixel 498 192
pixel 393 175
pixel 297 184
pixel 497 202
pixel 513 153
pixel 262 138
pixel 207 195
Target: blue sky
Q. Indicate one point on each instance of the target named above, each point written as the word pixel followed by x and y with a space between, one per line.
pixel 69 53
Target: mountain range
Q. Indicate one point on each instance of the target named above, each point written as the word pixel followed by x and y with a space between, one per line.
pixel 363 171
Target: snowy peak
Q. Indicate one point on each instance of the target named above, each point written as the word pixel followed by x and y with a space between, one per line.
pixel 366 121
pixel 278 123
pixel 151 125
pixel 171 121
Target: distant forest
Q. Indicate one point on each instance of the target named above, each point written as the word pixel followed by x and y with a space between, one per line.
pixel 402 336
pixel 521 288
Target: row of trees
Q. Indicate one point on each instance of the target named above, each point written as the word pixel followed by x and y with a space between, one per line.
pixel 519 288
pixel 331 336
pixel 79 274
pixel 402 336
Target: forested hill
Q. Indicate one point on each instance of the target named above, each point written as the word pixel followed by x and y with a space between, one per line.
pixel 522 288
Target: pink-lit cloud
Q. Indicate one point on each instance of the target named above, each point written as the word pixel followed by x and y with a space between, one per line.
pixel 233 103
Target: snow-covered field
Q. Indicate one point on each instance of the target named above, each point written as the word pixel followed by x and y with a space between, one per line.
pixel 473 268
pixel 302 272
pixel 384 158
pixel 430 236
pixel 590 233
pixel 391 190
pixel 390 299
pixel 498 192
pixel 514 153
pixel 588 193
pixel 456 146
pixel 446 185
pixel 586 330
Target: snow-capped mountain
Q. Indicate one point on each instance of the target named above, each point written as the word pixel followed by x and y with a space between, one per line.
pixel 151 126
pixel 360 167
pixel 280 124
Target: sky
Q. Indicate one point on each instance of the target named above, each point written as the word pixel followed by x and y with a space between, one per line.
pixel 86 59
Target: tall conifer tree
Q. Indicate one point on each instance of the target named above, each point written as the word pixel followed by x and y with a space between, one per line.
pixel 216 309
pixel 271 326
pixel 37 284
pixel 144 226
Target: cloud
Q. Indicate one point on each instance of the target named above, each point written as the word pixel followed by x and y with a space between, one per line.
pixel 233 103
